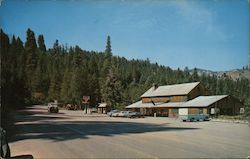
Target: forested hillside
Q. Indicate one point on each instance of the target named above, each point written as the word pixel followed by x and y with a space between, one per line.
pixel 32 74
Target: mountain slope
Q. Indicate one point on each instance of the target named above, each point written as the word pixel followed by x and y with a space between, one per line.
pixel 234 74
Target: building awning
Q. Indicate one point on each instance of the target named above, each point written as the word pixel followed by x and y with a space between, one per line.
pixel 139 104
pixel 201 101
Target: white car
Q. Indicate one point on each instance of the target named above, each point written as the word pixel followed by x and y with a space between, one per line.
pixel 112 112
pixel 121 114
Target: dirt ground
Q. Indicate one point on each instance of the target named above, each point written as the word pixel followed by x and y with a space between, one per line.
pixel 71 134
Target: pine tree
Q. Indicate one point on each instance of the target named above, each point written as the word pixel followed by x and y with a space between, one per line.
pixel 54 87
pixel 78 86
pixel 30 47
pixel 108 50
pixel 195 77
pixel 41 44
pixel 66 94
pixel 112 88
pixel 30 44
pixel 107 57
pixel 4 42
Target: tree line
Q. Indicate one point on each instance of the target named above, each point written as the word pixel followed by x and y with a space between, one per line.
pixel 31 73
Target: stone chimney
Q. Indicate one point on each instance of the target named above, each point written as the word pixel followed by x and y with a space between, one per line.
pixel 155 86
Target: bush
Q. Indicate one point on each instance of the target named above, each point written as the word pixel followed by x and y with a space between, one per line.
pixel 247 113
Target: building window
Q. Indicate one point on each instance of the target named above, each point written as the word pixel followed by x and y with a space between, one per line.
pixel 175 110
pixel 200 110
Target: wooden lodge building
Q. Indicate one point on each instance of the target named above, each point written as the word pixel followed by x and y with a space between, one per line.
pixel 166 101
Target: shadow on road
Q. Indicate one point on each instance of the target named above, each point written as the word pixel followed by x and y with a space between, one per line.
pixel 38 125
pixel 22 157
pixel 81 130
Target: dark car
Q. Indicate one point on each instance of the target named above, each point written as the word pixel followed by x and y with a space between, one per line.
pixel 72 107
pixel 5 149
pixel 134 115
pixel 53 108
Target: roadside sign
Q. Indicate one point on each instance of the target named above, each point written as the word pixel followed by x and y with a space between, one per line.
pixel 85 99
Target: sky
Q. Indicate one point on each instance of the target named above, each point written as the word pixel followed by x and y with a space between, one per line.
pixel 207 34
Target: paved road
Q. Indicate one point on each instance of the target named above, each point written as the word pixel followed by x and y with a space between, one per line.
pixel 70 134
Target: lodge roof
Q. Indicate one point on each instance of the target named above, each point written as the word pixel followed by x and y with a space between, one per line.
pixel 170 90
pixel 139 104
pixel 201 101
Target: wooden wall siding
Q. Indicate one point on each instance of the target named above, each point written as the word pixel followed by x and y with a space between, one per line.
pixel 179 99
pixel 227 106
pixel 149 111
pixel 193 111
pixel 205 111
pixel 155 99
pixel 199 90
pixel 165 99
pixel 162 112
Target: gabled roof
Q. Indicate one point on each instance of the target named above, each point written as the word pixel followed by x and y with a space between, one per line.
pixel 139 104
pixel 170 90
pixel 203 101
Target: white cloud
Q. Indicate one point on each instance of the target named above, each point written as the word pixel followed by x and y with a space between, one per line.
pixel 198 16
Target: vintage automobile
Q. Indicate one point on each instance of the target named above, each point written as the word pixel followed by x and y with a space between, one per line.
pixel 184 115
pixel 134 115
pixel 127 114
pixel 5 149
pixel 53 108
pixel 72 107
pixel 120 114
pixel 112 112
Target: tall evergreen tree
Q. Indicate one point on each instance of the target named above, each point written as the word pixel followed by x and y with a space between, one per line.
pixel 4 42
pixel 108 50
pixel 107 57
pixel 30 44
pixel 195 77
pixel 41 44
pixel 66 94
pixel 112 88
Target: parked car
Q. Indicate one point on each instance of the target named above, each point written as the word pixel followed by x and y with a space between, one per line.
pixel 134 115
pixel 127 114
pixel 112 112
pixel 196 117
pixel 4 149
pixel 184 115
pixel 72 107
pixel 120 114
pixel 53 108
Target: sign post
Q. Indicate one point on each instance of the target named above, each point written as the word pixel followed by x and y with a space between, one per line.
pixel 85 101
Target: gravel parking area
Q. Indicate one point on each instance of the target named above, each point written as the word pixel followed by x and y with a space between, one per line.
pixel 71 134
